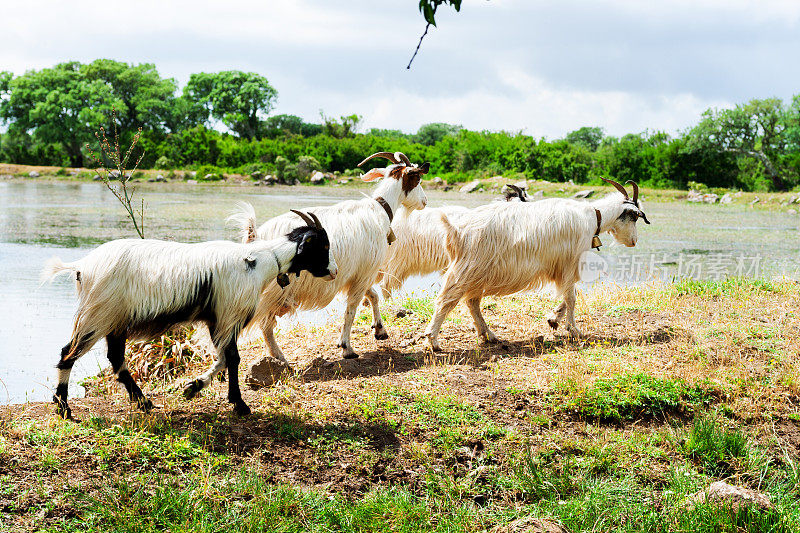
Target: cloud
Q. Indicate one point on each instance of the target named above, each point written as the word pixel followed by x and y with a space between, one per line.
pixel 544 66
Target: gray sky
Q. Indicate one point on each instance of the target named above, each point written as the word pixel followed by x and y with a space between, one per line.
pixel 542 66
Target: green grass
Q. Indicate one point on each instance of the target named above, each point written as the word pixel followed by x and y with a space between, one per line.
pixel 628 397
pixel 715 445
pixel 726 287
pixel 421 307
pixel 243 502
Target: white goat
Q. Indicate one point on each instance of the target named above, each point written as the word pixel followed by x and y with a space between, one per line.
pixel 134 288
pixel 502 249
pixel 420 246
pixel 359 231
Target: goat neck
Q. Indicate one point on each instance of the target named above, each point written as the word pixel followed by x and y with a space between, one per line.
pixel 610 207
pixel 392 193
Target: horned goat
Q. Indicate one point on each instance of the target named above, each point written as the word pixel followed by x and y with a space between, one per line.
pixel 359 231
pixel 137 289
pixel 502 249
pixel 420 246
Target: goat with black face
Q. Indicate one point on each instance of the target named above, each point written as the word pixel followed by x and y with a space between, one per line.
pixel 137 289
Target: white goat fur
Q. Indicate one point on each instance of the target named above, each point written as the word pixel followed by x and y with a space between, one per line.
pixel 357 230
pixel 420 246
pixel 503 248
pixel 129 280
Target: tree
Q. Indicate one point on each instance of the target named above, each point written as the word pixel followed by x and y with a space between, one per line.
pixel 238 99
pixel 148 99
pixel 58 105
pixel 755 130
pixel 428 9
pixel 589 138
pixel 346 126
pixel 5 82
pixel 430 134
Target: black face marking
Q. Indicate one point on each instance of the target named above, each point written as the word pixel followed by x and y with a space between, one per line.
pixel 283 280
pixel 629 215
pixel 200 306
pixel 250 262
pixel 313 250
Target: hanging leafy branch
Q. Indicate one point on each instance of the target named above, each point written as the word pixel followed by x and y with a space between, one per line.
pixel 428 9
pixel 112 168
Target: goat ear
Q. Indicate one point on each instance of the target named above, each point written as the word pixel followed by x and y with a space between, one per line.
pixel 373 174
pixel 425 167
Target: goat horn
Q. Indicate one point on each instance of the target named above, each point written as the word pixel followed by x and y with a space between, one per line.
pixel 305 217
pixel 402 157
pixel 520 192
pixel 317 223
pixel 635 191
pixel 386 155
pixel 617 186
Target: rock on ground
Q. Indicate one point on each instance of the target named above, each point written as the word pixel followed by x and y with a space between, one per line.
pixel 583 194
pixel 317 177
pixel 726 198
pixel 264 372
pixel 470 187
pixel 732 496
pixel 33 174
pixel 529 524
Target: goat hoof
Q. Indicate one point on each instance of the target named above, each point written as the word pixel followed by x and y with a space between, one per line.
pixel 553 323
pixel 192 388
pixel 144 404
pixel 350 355
pixel 62 409
pixel 241 409
pixel 382 336
pixel 64 412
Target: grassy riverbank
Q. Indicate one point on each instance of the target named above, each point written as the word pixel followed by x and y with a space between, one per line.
pixel 785 201
pixel 674 388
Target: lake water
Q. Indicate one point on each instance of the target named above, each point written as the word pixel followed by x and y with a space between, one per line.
pixel 41 219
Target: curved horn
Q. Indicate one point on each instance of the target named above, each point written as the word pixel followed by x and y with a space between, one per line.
pixel 519 192
pixel 402 157
pixel 617 186
pixel 635 191
pixel 386 155
pixel 305 217
pixel 317 223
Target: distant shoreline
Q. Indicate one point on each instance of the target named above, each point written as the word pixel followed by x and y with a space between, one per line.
pixel 788 202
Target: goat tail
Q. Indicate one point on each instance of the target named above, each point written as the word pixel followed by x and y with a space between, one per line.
pixel 55 267
pixel 453 242
pixel 244 219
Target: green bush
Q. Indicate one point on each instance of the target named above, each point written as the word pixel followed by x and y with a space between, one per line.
pixel 164 163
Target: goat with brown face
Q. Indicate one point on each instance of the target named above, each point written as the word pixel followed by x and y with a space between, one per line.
pixel 359 233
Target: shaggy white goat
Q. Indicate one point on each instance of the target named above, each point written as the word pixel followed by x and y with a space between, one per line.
pixel 137 289
pixel 420 246
pixel 359 232
pixel 501 249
